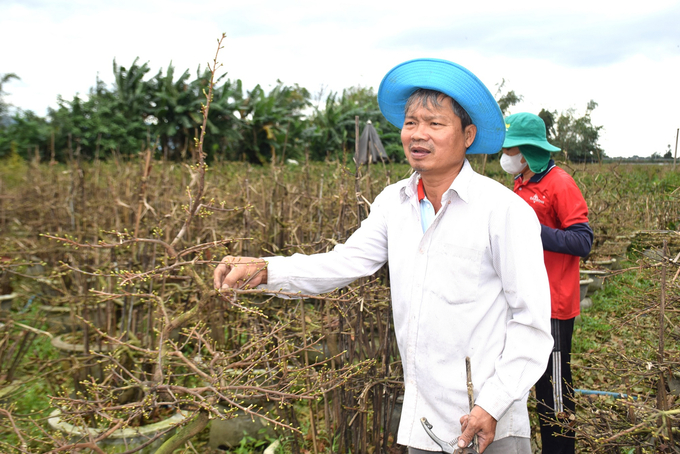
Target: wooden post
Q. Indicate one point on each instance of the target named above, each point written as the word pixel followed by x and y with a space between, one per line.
pixel 676 147
pixel 52 151
pixel 661 395
pixel 3 216
pixel 360 214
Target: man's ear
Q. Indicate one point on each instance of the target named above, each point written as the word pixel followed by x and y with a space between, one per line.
pixel 470 134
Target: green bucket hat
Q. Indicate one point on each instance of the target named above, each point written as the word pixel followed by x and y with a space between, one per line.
pixel 527 131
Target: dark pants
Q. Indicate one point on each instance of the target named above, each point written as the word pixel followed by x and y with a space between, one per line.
pixel 509 445
pixel 555 439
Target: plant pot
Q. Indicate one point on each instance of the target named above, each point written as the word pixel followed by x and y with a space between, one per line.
pixel 62 319
pixel 317 353
pixel 60 343
pixel 120 440
pixel 227 434
pixel 7 391
pixel 6 302
pixel 597 277
pixel 608 264
pixel 586 303
pixel 59 318
pixel 395 417
pixel 654 254
pixel 81 368
pixel 583 286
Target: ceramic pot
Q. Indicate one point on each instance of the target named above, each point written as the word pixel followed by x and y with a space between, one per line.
pixel 62 319
pixel 226 434
pixel 96 369
pixel 60 343
pixel 6 302
pixel 584 284
pixel 597 277
pixel 608 264
pixel 120 440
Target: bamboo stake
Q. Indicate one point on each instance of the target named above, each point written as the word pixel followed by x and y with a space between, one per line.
pixel 52 151
pixel 360 202
pixel 675 159
pixel 3 214
pixel 318 209
pixel 141 199
pixel 471 396
pixel 661 397
pixel 246 214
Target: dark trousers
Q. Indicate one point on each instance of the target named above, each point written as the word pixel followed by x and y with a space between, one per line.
pixel 555 439
pixel 508 445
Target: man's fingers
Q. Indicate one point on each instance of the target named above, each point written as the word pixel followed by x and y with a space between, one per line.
pixel 464 421
pixel 233 279
pixel 466 437
pixel 236 272
pixel 479 423
pixel 221 272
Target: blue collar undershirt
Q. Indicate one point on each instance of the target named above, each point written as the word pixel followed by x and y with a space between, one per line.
pixel 427 213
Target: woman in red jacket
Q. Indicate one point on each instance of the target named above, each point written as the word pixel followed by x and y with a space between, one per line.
pixel 566 237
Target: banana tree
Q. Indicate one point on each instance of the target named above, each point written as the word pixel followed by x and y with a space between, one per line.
pixel 267 117
pixel 173 102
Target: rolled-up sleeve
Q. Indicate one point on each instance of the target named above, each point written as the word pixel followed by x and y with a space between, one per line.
pixel 364 252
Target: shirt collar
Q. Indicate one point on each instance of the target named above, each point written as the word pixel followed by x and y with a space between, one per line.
pixel 539 176
pixel 460 185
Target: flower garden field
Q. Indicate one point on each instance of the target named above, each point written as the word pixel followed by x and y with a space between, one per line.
pixel 109 315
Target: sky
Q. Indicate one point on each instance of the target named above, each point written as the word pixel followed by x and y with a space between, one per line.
pixel 624 55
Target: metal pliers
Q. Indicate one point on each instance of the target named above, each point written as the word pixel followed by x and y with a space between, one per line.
pixel 447 448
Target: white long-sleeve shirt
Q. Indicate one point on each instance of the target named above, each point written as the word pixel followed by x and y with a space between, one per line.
pixel 474 284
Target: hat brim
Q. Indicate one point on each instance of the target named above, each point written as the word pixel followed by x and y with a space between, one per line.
pixel 512 142
pixel 453 80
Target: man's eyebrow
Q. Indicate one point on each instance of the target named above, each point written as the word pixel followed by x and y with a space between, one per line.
pixel 430 116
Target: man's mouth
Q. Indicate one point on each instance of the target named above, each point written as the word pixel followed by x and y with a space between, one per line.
pixel 419 151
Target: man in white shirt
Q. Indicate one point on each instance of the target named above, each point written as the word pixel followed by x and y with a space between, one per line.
pixel 466 266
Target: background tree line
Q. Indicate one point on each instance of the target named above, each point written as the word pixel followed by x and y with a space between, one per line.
pixel 164 112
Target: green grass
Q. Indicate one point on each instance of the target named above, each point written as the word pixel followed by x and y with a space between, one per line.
pixel 616 349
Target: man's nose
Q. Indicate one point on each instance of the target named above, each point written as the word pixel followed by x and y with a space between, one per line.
pixel 420 132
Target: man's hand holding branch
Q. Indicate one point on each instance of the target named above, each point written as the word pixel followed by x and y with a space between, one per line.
pixel 240 273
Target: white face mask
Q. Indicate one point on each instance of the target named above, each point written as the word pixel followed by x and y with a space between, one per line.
pixel 513 164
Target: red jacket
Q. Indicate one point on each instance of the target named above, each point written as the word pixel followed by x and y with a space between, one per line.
pixel 563 214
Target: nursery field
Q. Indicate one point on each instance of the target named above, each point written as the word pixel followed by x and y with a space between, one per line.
pixel 113 340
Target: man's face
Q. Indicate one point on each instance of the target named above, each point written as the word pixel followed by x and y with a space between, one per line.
pixel 433 139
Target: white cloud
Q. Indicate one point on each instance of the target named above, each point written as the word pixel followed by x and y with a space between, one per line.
pixel 556 56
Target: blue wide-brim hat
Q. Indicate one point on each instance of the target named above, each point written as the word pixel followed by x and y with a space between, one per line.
pixel 453 80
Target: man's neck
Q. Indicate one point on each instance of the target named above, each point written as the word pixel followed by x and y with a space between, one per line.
pixel 436 185
pixel 527 174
